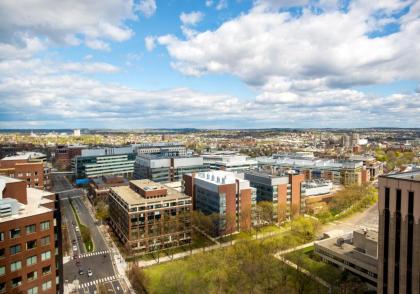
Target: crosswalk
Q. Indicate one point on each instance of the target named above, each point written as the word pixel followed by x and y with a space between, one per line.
pixel 94 253
pixel 97 281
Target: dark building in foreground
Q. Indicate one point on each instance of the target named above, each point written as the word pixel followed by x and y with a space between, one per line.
pixel 30 239
pixel 399 233
pixel 148 216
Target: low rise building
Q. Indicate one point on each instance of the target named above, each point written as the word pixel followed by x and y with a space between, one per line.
pixel 99 187
pixel 286 192
pixel 30 239
pixel 356 252
pixel 148 216
pixel 225 195
pixel 164 168
pixel 228 161
pixel 167 149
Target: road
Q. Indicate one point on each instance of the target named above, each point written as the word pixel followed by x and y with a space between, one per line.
pixel 99 261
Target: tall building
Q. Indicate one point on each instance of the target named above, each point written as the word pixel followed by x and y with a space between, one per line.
pixel 76 132
pixel 224 194
pixel 399 233
pixel 148 216
pixel 104 161
pixel 28 166
pixel 164 168
pixel 287 192
pixel 30 239
pixel 63 155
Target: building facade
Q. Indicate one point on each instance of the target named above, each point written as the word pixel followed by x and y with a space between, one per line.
pixel 63 155
pixel 229 161
pixel 99 187
pixel 399 233
pixel 287 193
pixel 164 168
pixel 167 149
pixel 147 216
pixel 222 194
pixel 30 239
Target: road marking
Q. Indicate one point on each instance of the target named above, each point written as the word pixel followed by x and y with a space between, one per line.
pixel 94 253
pixel 97 281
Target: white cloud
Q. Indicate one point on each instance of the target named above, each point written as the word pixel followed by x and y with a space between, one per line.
pixel 97 45
pixel 150 43
pixel 222 4
pixel 69 22
pixel 209 3
pixel 192 18
pixel 147 7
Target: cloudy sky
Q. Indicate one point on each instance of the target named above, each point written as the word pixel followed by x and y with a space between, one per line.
pixel 209 63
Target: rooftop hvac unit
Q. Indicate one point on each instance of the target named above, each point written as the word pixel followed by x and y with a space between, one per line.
pixel 340 242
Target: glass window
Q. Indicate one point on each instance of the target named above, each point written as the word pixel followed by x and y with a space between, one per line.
pixel 14 233
pixel 45 225
pixel 3 287
pixel 30 245
pixel 46 270
pixel 32 276
pixel 1 236
pixel 2 251
pixel 47 285
pixel 15 249
pixel 14 266
pixel 31 260
pixel 2 270
pixel 33 290
pixel 16 282
pixel 46 255
pixel 45 240
pixel 30 229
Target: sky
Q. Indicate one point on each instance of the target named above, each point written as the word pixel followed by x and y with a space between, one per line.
pixel 209 64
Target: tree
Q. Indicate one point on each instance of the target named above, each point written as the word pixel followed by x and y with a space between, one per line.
pixel 305 228
pixel 137 279
pixel 265 209
pixel 102 212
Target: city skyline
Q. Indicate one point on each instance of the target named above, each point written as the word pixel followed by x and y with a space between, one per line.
pixel 209 64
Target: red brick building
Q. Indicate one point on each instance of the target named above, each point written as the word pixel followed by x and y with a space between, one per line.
pixel 63 155
pixel 99 187
pixel 30 239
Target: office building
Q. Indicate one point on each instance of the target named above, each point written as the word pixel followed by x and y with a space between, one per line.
pixel 104 161
pixel 164 168
pixel 229 161
pixel 28 166
pixel 63 155
pixel 287 192
pixel 399 233
pixel 30 239
pixel 340 172
pixel 148 216
pixel 223 194
pixel 355 252
pixel 99 187
pixel 76 132
pixel 167 149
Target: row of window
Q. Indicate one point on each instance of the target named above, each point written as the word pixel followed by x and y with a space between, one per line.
pixel 17 265
pixel 30 229
pixel 16 282
pixel 15 249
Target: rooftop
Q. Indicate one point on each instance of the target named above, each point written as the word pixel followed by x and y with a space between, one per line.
pixel 218 177
pixel 25 156
pixel 147 185
pixel 411 176
pixel 133 198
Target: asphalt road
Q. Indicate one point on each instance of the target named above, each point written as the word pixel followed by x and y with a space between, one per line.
pixel 99 261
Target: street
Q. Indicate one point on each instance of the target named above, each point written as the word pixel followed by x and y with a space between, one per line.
pixel 99 261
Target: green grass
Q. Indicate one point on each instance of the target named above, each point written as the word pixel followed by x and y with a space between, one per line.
pixel 307 259
pixel 154 273
pixel 84 231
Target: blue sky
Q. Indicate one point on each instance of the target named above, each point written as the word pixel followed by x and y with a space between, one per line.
pixel 209 64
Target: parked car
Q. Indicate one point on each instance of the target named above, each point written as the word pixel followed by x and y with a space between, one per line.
pixel 81 272
pixel 73 242
pixel 74 248
pixel 89 273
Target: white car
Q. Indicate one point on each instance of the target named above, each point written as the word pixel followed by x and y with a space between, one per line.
pixel 76 228
pixel 74 248
pixel 89 273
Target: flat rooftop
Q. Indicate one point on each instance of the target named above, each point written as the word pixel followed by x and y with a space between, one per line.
pixel 133 198
pixel 25 156
pixel 412 176
pixel 218 177
pixel 147 185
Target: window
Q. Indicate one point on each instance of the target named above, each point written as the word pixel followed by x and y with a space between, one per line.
pixel 3 287
pixel 30 245
pixel 16 282
pixel 14 233
pixel 14 266
pixel 45 225
pixel 30 229
pixel 1 236
pixel 45 255
pixel 31 260
pixel 2 270
pixel 32 276
pixel 15 249
pixel 47 285
pixel 46 270
pixel 45 240
pixel 2 252
pixel 33 290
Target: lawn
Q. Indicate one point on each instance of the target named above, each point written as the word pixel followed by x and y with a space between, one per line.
pixel 307 259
